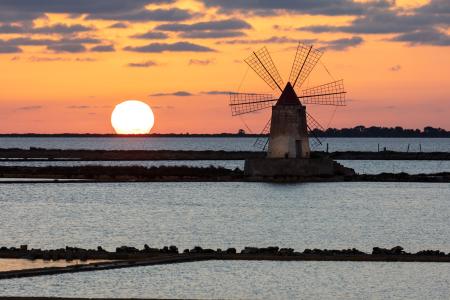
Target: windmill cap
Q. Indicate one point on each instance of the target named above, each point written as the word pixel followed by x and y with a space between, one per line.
pixel 288 96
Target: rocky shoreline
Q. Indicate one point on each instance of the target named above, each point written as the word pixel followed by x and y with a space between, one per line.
pixel 129 252
pixel 125 257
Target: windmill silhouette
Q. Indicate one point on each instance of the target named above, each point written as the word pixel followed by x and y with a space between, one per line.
pixel 290 126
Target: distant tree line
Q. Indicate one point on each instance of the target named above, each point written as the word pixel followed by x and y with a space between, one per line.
pixel 374 131
pixel 358 131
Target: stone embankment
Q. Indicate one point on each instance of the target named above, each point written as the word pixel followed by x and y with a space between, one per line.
pixel 192 174
pixel 386 155
pixel 124 173
pixel 128 252
pixel 40 154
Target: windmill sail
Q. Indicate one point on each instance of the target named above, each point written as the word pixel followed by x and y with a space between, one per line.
pixel 261 62
pixel 305 60
pixel 262 141
pixel 312 125
pixel 242 103
pixel 332 93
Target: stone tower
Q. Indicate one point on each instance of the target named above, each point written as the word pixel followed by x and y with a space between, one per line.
pixel 288 129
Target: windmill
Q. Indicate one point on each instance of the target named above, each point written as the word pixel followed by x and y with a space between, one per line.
pixel 290 126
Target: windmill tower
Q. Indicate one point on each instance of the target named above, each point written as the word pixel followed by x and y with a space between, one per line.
pixel 290 127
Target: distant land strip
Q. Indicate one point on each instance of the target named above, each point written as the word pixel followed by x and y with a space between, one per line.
pixel 356 132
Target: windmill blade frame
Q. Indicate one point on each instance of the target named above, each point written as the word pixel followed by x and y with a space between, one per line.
pixel 314 140
pixel 332 93
pixel 312 125
pixel 305 60
pixel 262 141
pixel 243 103
pixel 261 62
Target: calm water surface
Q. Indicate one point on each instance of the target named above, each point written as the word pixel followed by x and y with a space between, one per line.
pixel 249 280
pixel 227 144
pixel 322 215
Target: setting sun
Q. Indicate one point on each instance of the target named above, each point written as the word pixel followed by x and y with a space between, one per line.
pixel 132 117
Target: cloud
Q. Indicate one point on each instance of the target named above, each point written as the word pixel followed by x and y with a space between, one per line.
pixel 271 40
pixel 119 25
pixel 85 59
pixel 6 49
pixel 336 45
pixel 419 26
pixel 395 68
pixel 103 48
pixel 177 94
pixel 67 48
pixel 25 41
pixel 60 29
pixel 436 7
pixel 230 24
pixel 432 37
pixel 311 7
pixel 144 15
pixel 145 64
pixel 151 35
pixel 11 29
pixel 157 107
pixel 38 59
pixel 62 45
pixel 380 22
pixel 30 108
pixel 211 34
pixel 47 59
pixel 217 92
pixel 130 10
pixel 208 30
pixel 165 47
pixel 200 62
pixel 78 107
pixel 343 44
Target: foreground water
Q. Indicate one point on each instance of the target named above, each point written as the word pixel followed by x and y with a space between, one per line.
pixel 322 215
pixel 249 280
pixel 316 215
pixel 227 144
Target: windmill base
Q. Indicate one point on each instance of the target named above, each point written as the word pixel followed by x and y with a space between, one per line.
pixel 295 167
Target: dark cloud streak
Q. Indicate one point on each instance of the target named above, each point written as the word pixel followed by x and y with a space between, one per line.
pixel 166 47
pixel 30 108
pixel 230 24
pixel 151 35
pixel 130 10
pixel 176 94
pixel 103 48
pixel 420 26
pixel 145 64
pixel 311 7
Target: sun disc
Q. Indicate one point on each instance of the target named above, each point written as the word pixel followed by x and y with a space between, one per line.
pixel 132 117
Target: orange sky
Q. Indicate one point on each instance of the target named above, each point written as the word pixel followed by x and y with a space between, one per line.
pixel 392 78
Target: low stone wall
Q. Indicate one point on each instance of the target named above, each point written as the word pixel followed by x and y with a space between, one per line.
pixel 132 253
pixel 314 167
pixel 131 257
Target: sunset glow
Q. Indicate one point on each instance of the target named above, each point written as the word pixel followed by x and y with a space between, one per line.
pixel 64 66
